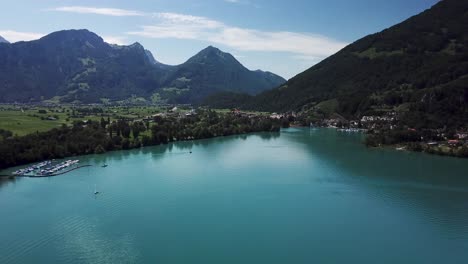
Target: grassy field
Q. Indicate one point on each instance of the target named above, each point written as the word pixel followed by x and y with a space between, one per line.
pixel 26 119
pixel 22 123
pixel 22 120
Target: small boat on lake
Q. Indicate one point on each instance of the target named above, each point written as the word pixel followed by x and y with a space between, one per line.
pixel 105 165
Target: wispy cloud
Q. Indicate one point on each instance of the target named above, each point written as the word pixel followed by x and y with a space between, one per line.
pixel 98 11
pixel 179 26
pixel 172 25
pixel 182 26
pixel 115 40
pixel 15 36
pixel 242 2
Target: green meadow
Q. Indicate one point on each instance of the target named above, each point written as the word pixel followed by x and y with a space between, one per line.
pixel 22 120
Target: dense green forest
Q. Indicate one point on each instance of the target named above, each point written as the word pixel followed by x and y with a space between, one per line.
pixel 98 137
pixel 418 68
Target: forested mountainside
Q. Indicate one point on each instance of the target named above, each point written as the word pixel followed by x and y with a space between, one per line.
pixel 418 68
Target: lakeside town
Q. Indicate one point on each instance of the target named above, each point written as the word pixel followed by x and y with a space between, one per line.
pixel 387 130
pixel 381 130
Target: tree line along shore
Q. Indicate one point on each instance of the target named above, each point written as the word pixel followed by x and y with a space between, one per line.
pixel 99 136
pixel 31 133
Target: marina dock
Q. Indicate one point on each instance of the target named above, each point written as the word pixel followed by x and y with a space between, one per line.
pixel 52 175
pixel 48 169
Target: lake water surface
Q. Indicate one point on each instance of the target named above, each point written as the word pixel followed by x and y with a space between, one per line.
pixel 299 196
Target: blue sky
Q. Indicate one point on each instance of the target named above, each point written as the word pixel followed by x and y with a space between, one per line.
pixel 285 37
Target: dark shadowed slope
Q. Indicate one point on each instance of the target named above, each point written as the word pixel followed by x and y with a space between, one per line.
pixel 418 67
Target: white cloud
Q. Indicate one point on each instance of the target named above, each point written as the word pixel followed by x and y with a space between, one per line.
pixel 306 58
pixel 179 19
pixel 115 40
pixel 98 11
pixel 172 25
pixel 232 1
pixel 179 26
pixel 237 56
pixel 15 36
pixel 298 43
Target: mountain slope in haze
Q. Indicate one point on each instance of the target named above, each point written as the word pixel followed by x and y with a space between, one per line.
pixel 212 70
pixel 156 63
pixel 2 40
pixel 418 68
pixel 78 66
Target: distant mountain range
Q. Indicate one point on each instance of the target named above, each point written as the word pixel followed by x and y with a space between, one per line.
pixel 78 66
pixel 418 68
pixel 212 70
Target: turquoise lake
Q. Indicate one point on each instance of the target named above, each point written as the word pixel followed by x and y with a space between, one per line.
pixel 299 196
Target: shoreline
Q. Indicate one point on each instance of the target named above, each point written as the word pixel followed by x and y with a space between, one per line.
pixel 7 177
pixel 397 147
pixel 439 150
pixel 11 176
pixel 430 151
pixel 97 137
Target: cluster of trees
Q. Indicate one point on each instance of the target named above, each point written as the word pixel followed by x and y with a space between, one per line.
pixel 56 143
pixel 393 137
pixel 88 111
pixel 98 137
pixel 207 124
pixel 5 133
pixel 414 141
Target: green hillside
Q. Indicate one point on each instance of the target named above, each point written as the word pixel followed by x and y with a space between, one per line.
pixel 418 68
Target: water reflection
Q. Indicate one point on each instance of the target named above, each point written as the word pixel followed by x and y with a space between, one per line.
pixel 269 136
pixel 288 193
pixel 434 187
pixel 5 181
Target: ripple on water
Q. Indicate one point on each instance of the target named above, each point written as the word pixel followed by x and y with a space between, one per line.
pixel 299 190
pixel 85 239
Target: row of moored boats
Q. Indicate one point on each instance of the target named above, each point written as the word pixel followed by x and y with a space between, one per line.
pixel 46 168
pixel 350 129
